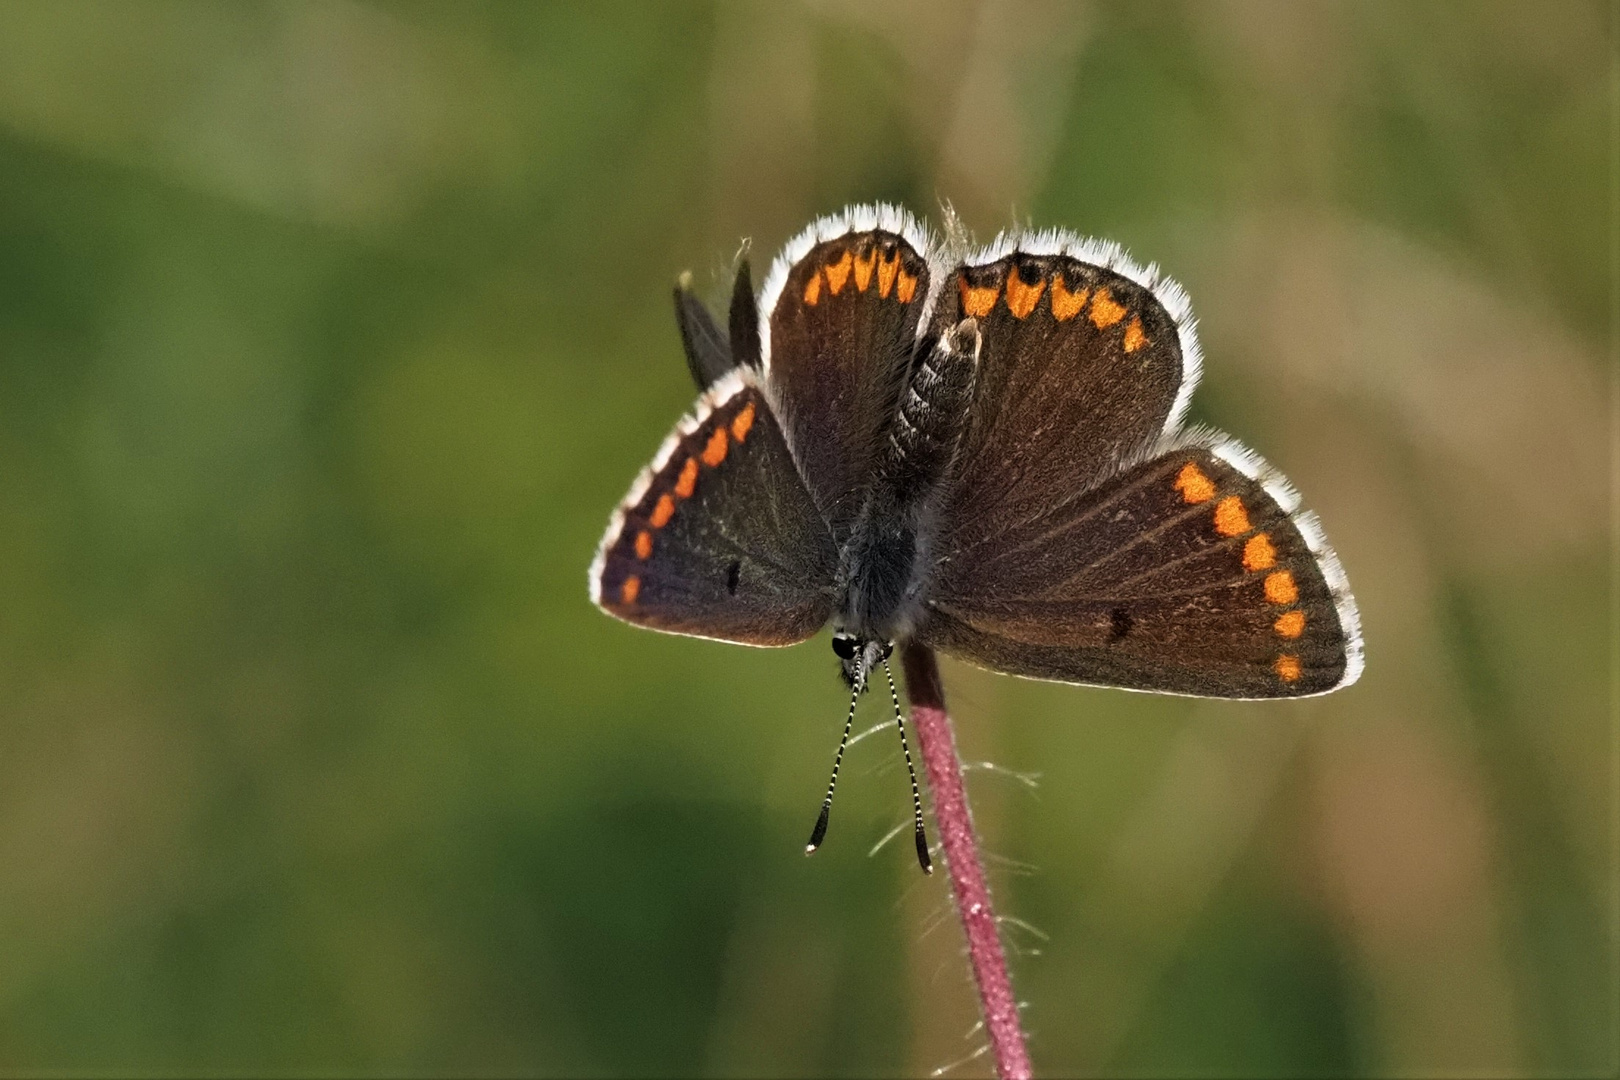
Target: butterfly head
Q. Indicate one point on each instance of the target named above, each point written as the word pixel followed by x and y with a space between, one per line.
pixel 857 656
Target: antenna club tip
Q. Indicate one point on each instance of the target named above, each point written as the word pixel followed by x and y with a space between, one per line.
pixel 923 860
pixel 810 849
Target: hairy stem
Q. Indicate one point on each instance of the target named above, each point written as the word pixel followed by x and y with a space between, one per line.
pixel 954 820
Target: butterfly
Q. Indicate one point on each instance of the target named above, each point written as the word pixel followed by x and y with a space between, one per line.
pixel 983 455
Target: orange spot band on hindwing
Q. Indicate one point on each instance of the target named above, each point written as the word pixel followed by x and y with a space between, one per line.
pixel 742 422
pixel 1290 624
pixel 630 589
pixel 1287 668
pixel 1258 554
pixel 1021 298
pixel 885 271
pixel 1104 311
pixel 1135 338
pixel 1230 517
pixel 905 286
pixel 977 302
pixel 1194 486
pixel 812 289
pixel 714 452
pixel 863 269
pixel 663 510
pixel 838 273
pixel 1065 304
pixel 643 545
pixel 686 483
pixel 1280 588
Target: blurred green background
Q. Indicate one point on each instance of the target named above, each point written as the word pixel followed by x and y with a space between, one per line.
pixel 330 333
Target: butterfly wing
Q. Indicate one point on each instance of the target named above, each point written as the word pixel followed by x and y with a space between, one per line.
pixel 1081 537
pixel 708 353
pixel 719 537
pixel 1086 360
pixel 839 319
pixel 1191 572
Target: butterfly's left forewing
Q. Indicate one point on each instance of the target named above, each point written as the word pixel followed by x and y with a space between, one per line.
pixel 1191 572
pixel 719 537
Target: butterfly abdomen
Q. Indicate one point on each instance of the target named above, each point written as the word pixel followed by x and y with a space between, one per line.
pixel 932 415
pixel 881 561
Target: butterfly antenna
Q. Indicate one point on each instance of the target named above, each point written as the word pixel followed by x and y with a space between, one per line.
pixel 923 860
pixel 819 833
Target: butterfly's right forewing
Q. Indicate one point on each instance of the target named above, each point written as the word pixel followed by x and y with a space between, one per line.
pixel 719 538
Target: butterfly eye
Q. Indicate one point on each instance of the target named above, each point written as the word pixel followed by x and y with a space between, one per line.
pixel 844 646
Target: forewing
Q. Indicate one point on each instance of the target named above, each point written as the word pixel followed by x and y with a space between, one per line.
pixel 839 318
pixel 719 538
pixel 1191 572
pixel 1086 360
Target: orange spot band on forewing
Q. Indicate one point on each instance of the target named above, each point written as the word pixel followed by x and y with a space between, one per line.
pixel 714 452
pixel 885 270
pixel 630 589
pixel 863 269
pixel 977 302
pixel 1258 554
pixel 1287 668
pixel 1104 311
pixel 812 289
pixel 1065 304
pixel 1290 624
pixel 686 483
pixel 1194 486
pixel 1134 336
pixel 742 422
pixel 663 510
pixel 1280 588
pixel 838 273
pixel 1021 298
pixel 905 286
pixel 643 545
pixel 1230 517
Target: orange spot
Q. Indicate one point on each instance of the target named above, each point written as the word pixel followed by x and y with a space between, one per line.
pixel 863 269
pixel 1021 298
pixel 630 589
pixel 742 422
pixel 1230 517
pixel 905 286
pixel 838 273
pixel 663 510
pixel 1134 337
pixel 885 270
pixel 1194 486
pixel 812 289
pixel 686 483
pixel 1280 588
pixel 1104 311
pixel 1290 624
pixel 1065 304
pixel 715 452
pixel 1287 668
pixel 977 302
pixel 643 545
pixel 1258 554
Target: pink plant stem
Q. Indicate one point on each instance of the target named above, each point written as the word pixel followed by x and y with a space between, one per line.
pixel 955 823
